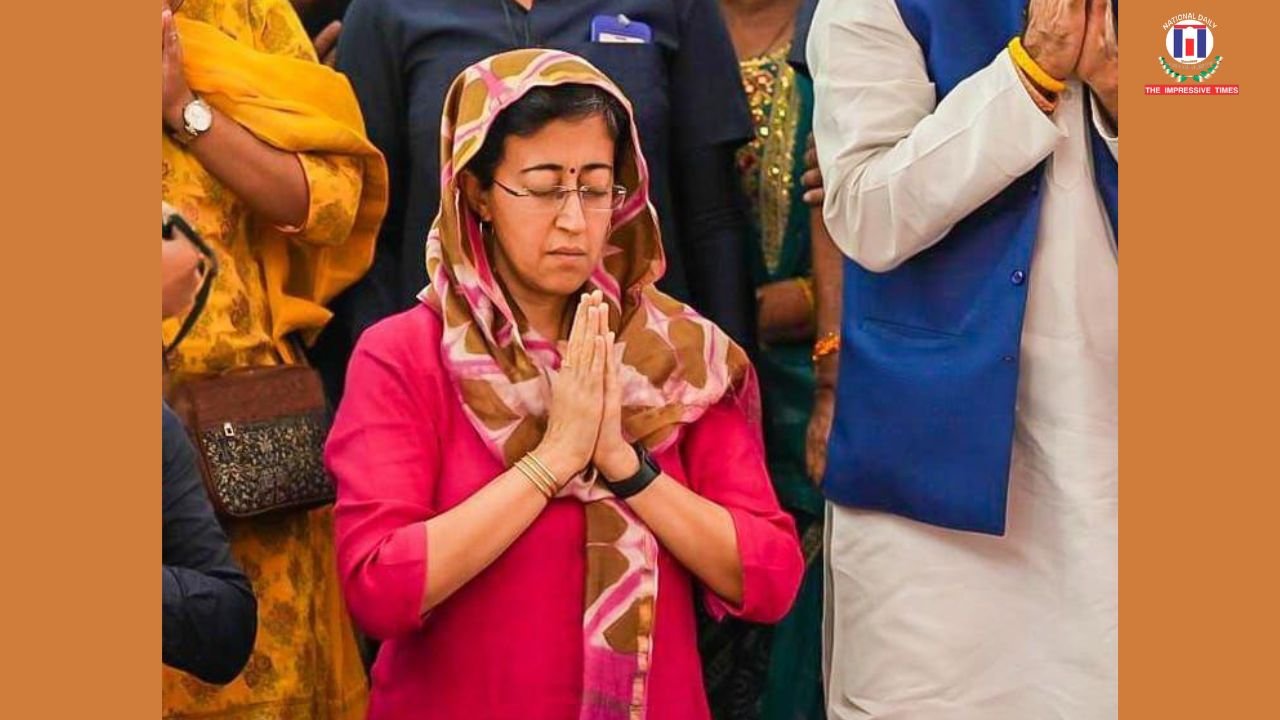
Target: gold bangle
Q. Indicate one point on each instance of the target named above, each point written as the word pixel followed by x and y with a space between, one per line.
pixel 548 479
pixel 1033 70
pixel 547 475
pixel 826 345
pixel 806 287
pixel 532 476
pixel 528 476
pixel 525 469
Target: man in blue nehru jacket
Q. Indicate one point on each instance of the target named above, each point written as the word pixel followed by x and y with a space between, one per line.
pixel 970 153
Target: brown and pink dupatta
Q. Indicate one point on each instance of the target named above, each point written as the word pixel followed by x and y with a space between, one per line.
pixel 675 363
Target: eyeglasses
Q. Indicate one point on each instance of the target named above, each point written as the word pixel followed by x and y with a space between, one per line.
pixel 208 266
pixel 552 200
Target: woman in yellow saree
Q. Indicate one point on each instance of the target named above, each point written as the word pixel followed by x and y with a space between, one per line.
pixel 264 152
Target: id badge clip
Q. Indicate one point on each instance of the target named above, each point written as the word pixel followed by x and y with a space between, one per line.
pixel 619 29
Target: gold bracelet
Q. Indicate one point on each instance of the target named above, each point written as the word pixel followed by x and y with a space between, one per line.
pixel 531 475
pixel 826 345
pixel 1032 68
pixel 547 475
pixel 806 287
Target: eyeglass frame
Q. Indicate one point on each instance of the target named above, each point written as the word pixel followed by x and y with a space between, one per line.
pixel 209 265
pixel 618 191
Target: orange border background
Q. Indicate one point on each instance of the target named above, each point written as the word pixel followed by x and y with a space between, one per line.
pixel 81 470
pixel 1200 613
pixel 1198 384
pixel 79 519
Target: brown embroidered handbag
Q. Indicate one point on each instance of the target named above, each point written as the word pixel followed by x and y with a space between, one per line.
pixel 260 434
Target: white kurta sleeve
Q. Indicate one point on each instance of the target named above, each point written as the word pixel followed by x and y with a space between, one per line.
pixel 899 168
pixel 1108 133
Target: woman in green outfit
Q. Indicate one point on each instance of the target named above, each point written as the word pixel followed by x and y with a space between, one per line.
pixel 774 672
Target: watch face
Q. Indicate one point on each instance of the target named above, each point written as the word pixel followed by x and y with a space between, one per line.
pixel 197 116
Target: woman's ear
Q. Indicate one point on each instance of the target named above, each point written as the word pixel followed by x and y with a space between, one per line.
pixel 477 199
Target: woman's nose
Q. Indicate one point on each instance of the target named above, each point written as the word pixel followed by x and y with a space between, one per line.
pixel 572 215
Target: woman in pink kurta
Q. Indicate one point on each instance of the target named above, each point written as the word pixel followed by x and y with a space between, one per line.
pixel 496 596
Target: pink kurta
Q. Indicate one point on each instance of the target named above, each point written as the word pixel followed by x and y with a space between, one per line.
pixel 508 644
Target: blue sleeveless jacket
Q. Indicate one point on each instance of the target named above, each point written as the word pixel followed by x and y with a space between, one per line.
pixel 930 350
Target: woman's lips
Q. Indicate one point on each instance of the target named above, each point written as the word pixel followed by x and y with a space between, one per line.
pixel 568 252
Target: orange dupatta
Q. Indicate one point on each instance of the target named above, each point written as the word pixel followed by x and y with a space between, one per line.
pixel 297 106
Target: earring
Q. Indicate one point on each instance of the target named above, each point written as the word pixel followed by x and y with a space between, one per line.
pixel 488 235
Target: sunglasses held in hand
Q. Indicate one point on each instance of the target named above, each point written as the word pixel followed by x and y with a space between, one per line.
pixel 208 270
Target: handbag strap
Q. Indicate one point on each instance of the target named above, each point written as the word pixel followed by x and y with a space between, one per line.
pixel 294 341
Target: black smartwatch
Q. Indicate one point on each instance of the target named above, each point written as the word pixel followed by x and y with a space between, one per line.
pixel 648 472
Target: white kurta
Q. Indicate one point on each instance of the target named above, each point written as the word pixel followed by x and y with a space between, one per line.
pixel 924 623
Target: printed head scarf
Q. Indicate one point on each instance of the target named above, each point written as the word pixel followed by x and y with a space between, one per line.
pixel 675 364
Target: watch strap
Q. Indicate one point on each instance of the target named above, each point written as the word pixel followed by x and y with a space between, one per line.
pixel 183 135
pixel 648 472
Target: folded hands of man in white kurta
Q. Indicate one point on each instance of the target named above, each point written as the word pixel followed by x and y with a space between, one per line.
pixel 900 169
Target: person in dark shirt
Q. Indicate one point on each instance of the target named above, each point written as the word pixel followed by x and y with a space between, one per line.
pixel 691 111
pixel 210 614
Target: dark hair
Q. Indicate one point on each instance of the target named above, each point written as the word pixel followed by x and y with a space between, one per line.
pixel 540 106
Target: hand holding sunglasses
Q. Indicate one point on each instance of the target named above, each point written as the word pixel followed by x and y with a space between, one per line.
pixel 181 273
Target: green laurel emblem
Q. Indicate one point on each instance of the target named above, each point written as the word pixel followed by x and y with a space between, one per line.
pixel 1198 77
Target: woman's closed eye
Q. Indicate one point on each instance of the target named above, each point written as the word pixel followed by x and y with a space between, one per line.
pixel 593 197
pixel 559 191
